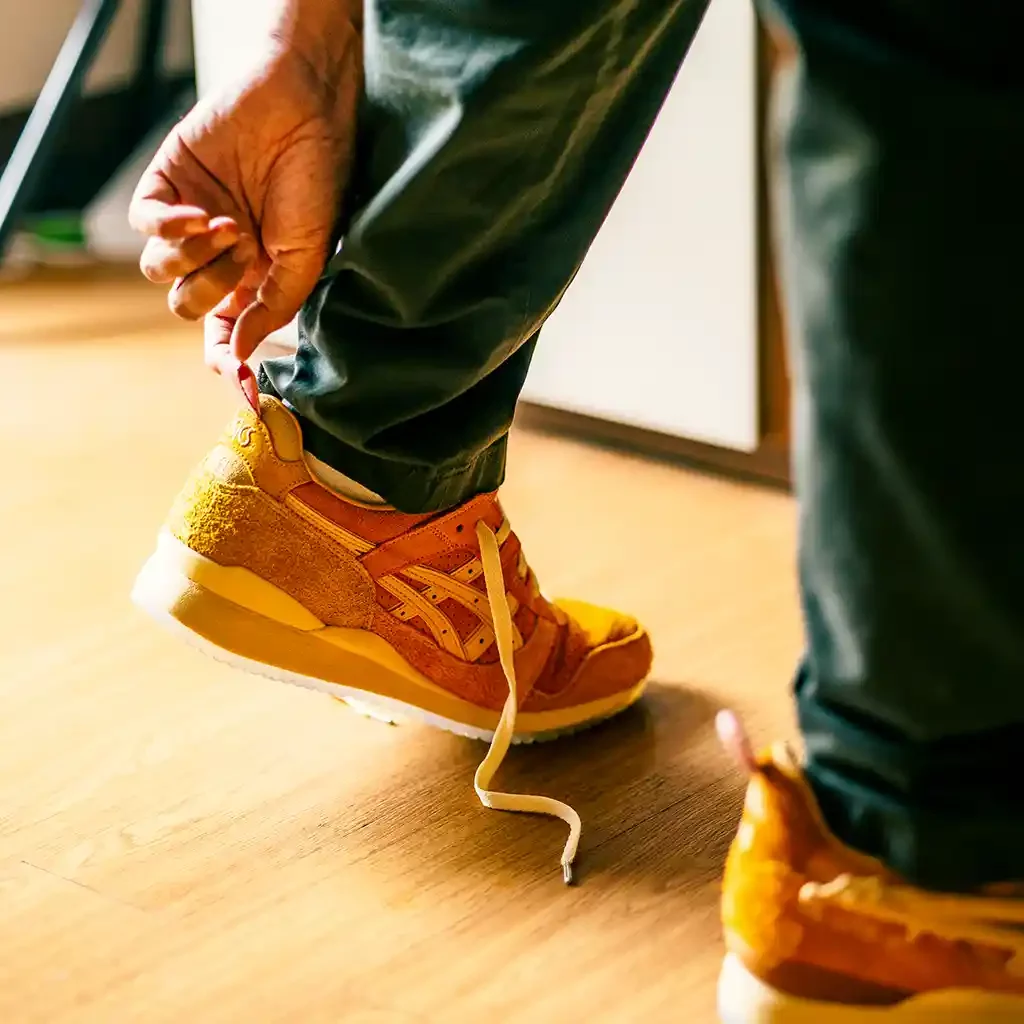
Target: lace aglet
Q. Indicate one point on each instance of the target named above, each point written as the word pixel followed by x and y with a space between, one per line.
pixel 567 872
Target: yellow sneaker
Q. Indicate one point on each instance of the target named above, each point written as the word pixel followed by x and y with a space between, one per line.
pixel 820 934
pixel 432 617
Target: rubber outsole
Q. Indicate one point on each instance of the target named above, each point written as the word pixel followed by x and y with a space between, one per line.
pixel 168 597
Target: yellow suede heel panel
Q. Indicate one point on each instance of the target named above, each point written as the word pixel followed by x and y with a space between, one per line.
pixel 240 586
pixel 239 525
pixel 251 441
pixel 223 464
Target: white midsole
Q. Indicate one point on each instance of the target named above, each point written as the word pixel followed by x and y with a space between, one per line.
pixel 745 999
pixel 152 591
pixel 148 599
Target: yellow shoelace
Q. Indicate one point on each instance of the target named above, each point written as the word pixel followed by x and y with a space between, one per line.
pixel 521 803
pixel 954 918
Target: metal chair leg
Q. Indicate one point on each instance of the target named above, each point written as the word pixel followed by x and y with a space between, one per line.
pixel 50 113
pixel 149 84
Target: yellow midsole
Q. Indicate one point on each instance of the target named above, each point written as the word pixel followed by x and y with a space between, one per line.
pixel 240 612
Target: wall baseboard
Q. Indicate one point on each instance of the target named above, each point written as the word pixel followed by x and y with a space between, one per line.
pixel 769 465
pixel 101 134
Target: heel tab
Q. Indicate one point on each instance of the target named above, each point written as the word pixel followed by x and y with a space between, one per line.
pixel 282 427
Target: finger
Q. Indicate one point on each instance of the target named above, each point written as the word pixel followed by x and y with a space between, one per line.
pixel 196 295
pixel 175 221
pixel 284 290
pixel 218 349
pixel 156 209
pixel 217 328
pixel 217 344
pixel 164 259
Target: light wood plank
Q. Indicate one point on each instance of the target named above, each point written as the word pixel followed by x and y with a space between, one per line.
pixel 178 841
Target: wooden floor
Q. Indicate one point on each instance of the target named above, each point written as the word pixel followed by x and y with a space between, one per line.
pixel 179 842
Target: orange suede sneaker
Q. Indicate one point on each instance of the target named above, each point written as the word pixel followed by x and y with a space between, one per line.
pixel 820 934
pixel 433 617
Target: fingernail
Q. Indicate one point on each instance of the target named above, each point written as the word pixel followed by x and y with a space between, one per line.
pixel 225 236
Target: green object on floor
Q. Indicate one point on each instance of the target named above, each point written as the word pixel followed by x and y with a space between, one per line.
pixel 57 230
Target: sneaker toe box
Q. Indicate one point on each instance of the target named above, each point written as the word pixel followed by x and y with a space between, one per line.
pixel 618 659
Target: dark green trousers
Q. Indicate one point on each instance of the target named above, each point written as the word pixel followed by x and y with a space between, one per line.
pixel 496 137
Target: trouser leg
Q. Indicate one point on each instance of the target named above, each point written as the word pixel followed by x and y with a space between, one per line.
pixel 903 211
pixel 496 137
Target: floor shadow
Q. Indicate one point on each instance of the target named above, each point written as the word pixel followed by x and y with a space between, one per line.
pixel 630 745
pixel 657 794
pixel 658 799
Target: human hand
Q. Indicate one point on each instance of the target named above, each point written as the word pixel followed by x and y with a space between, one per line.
pixel 241 202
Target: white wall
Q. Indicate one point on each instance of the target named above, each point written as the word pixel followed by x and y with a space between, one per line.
pixel 229 33
pixel 36 29
pixel 659 329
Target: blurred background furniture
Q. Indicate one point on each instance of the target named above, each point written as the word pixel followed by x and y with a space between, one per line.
pixel 63 149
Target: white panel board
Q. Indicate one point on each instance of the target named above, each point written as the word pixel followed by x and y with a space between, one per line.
pixel 659 329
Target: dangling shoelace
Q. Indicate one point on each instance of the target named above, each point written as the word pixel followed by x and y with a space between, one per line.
pixel 494 580
pixel 521 803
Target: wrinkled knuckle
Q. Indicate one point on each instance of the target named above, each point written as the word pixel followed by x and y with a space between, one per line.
pixel 278 298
